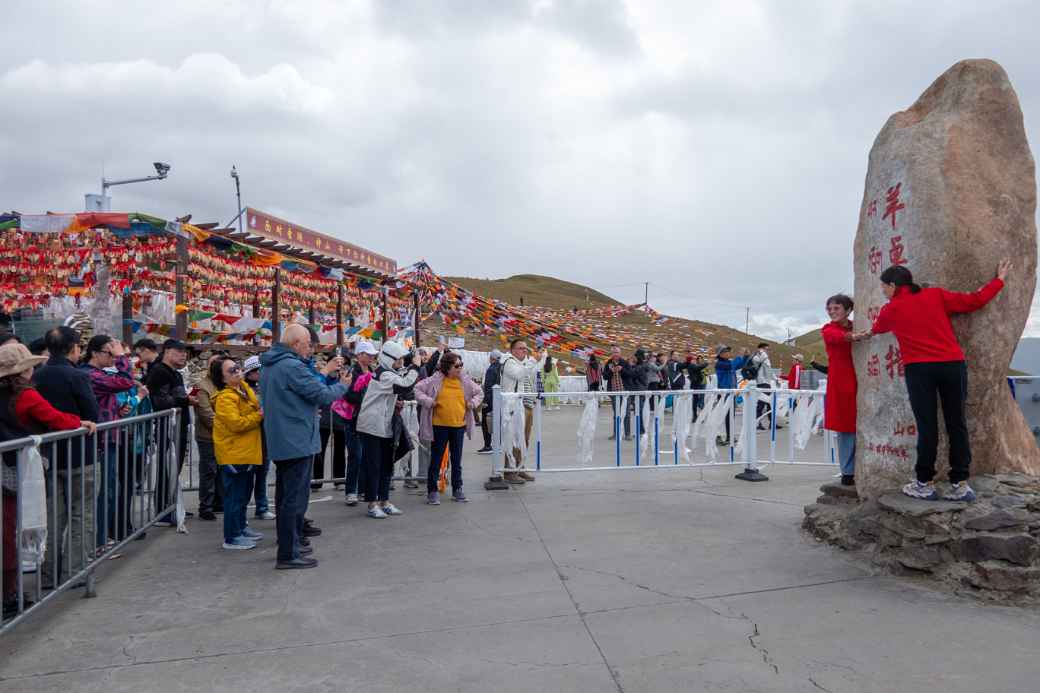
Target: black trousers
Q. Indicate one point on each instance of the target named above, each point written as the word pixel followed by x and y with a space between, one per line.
pixel 339 454
pixel 764 405
pixel 486 418
pixel 928 384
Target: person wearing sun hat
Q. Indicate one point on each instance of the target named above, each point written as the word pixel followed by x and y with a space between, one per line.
pixel 24 412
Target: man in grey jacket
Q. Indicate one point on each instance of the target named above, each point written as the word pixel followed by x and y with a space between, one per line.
pixel 292 393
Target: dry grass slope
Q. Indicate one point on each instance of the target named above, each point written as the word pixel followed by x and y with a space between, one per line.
pixel 548 292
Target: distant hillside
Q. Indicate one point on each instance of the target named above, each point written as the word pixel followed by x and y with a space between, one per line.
pixel 536 290
pixel 547 292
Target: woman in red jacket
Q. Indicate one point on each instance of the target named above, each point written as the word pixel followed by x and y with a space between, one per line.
pixel 23 412
pixel 839 412
pixel 935 370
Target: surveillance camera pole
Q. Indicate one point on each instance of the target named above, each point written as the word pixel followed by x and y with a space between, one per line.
pixel 106 201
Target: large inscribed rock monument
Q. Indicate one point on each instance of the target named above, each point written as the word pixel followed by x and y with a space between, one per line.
pixel 950 191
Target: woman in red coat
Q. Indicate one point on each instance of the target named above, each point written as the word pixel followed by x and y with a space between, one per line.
pixel 839 412
pixel 935 370
pixel 23 412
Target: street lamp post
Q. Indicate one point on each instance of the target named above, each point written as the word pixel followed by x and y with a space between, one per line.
pixel 103 203
pixel 238 195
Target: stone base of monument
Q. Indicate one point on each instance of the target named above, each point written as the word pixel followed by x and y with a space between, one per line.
pixel 990 548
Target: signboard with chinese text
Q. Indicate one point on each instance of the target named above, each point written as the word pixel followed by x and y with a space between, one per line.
pixel 273 228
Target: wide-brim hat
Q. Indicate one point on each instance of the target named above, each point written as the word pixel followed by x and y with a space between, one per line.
pixel 16 358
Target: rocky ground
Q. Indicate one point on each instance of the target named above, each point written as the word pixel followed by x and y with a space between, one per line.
pixel 989 549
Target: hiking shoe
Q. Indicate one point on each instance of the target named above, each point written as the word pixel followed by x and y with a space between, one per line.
pixel 252 534
pixel 512 478
pixel 265 515
pixel 411 483
pixel 916 489
pixel 207 515
pixel 391 509
pixel 485 451
pixel 433 498
pixel 239 544
pixel 311 531
pixel 526 476
pixel 351 499
pixel 848 480
pixel 459 496
pixel 376 513
pixel 960 492
pixel 300 563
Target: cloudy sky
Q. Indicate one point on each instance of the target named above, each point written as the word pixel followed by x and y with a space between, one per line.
pixel 714 149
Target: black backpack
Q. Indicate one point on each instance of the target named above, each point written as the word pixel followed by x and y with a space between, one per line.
pixel 749 370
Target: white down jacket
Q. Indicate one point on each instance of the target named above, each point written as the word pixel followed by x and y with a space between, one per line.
pixel 377 408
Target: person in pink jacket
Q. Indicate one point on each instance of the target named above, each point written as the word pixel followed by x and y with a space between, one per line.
pixel 448 399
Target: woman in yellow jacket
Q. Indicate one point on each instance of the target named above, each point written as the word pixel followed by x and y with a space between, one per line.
pixel 237 441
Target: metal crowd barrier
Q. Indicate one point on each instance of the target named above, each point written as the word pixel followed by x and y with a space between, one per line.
pixel 78 498
pixel 746 454
pixel 413 467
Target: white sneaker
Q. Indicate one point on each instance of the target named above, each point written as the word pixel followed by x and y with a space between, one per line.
pixel 391 509
pixel 917 489
pixel 376 513
pixel 351 499
pixel 267 515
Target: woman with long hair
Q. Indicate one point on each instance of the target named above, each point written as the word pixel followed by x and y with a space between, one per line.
pixel 23 412
pixel 839 412
pixel 935 370
pixel 592 374
pixel 238 444
pixel 449 400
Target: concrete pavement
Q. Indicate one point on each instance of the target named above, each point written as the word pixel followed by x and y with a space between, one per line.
pixel 630 580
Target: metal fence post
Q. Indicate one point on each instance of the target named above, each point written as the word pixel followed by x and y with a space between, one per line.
pixel 495 481
pixel 750 427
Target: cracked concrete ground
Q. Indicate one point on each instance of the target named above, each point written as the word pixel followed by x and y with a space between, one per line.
pixel 634 580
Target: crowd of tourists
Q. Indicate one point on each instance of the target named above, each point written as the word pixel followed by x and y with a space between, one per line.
pixel 282 410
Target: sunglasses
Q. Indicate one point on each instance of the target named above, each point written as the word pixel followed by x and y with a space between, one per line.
pixel 234 369
pixel 457 364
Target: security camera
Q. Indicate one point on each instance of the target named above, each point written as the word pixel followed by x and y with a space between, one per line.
pixel 161 168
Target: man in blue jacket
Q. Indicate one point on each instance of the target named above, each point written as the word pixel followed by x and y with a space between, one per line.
pixel 292 396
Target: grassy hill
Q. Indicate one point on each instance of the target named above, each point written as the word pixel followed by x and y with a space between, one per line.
pixel 536 290
pixel 548 292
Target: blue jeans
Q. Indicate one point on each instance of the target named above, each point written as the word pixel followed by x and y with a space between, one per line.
pixel 260 488
pixel 446 437
pixel 355 476
pixel 107 492
pixel 291 491
pixel 238 482
pixel 847 452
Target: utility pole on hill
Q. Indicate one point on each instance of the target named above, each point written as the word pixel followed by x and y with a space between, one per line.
pixel 747 320
pixel 646 293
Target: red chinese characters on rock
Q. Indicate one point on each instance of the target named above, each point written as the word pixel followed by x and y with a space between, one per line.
pixel 895 252
pixel 905 429
pixel 888 450
pixel 874 366
pixel 892 203
pixel 874 260
pixel 894 363
pixel 872 209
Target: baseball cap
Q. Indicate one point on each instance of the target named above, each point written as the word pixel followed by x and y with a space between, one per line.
pixel 251 364
pixel 365 347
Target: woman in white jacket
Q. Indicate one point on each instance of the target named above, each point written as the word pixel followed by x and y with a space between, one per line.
pixel 518 373
pixel 375 426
